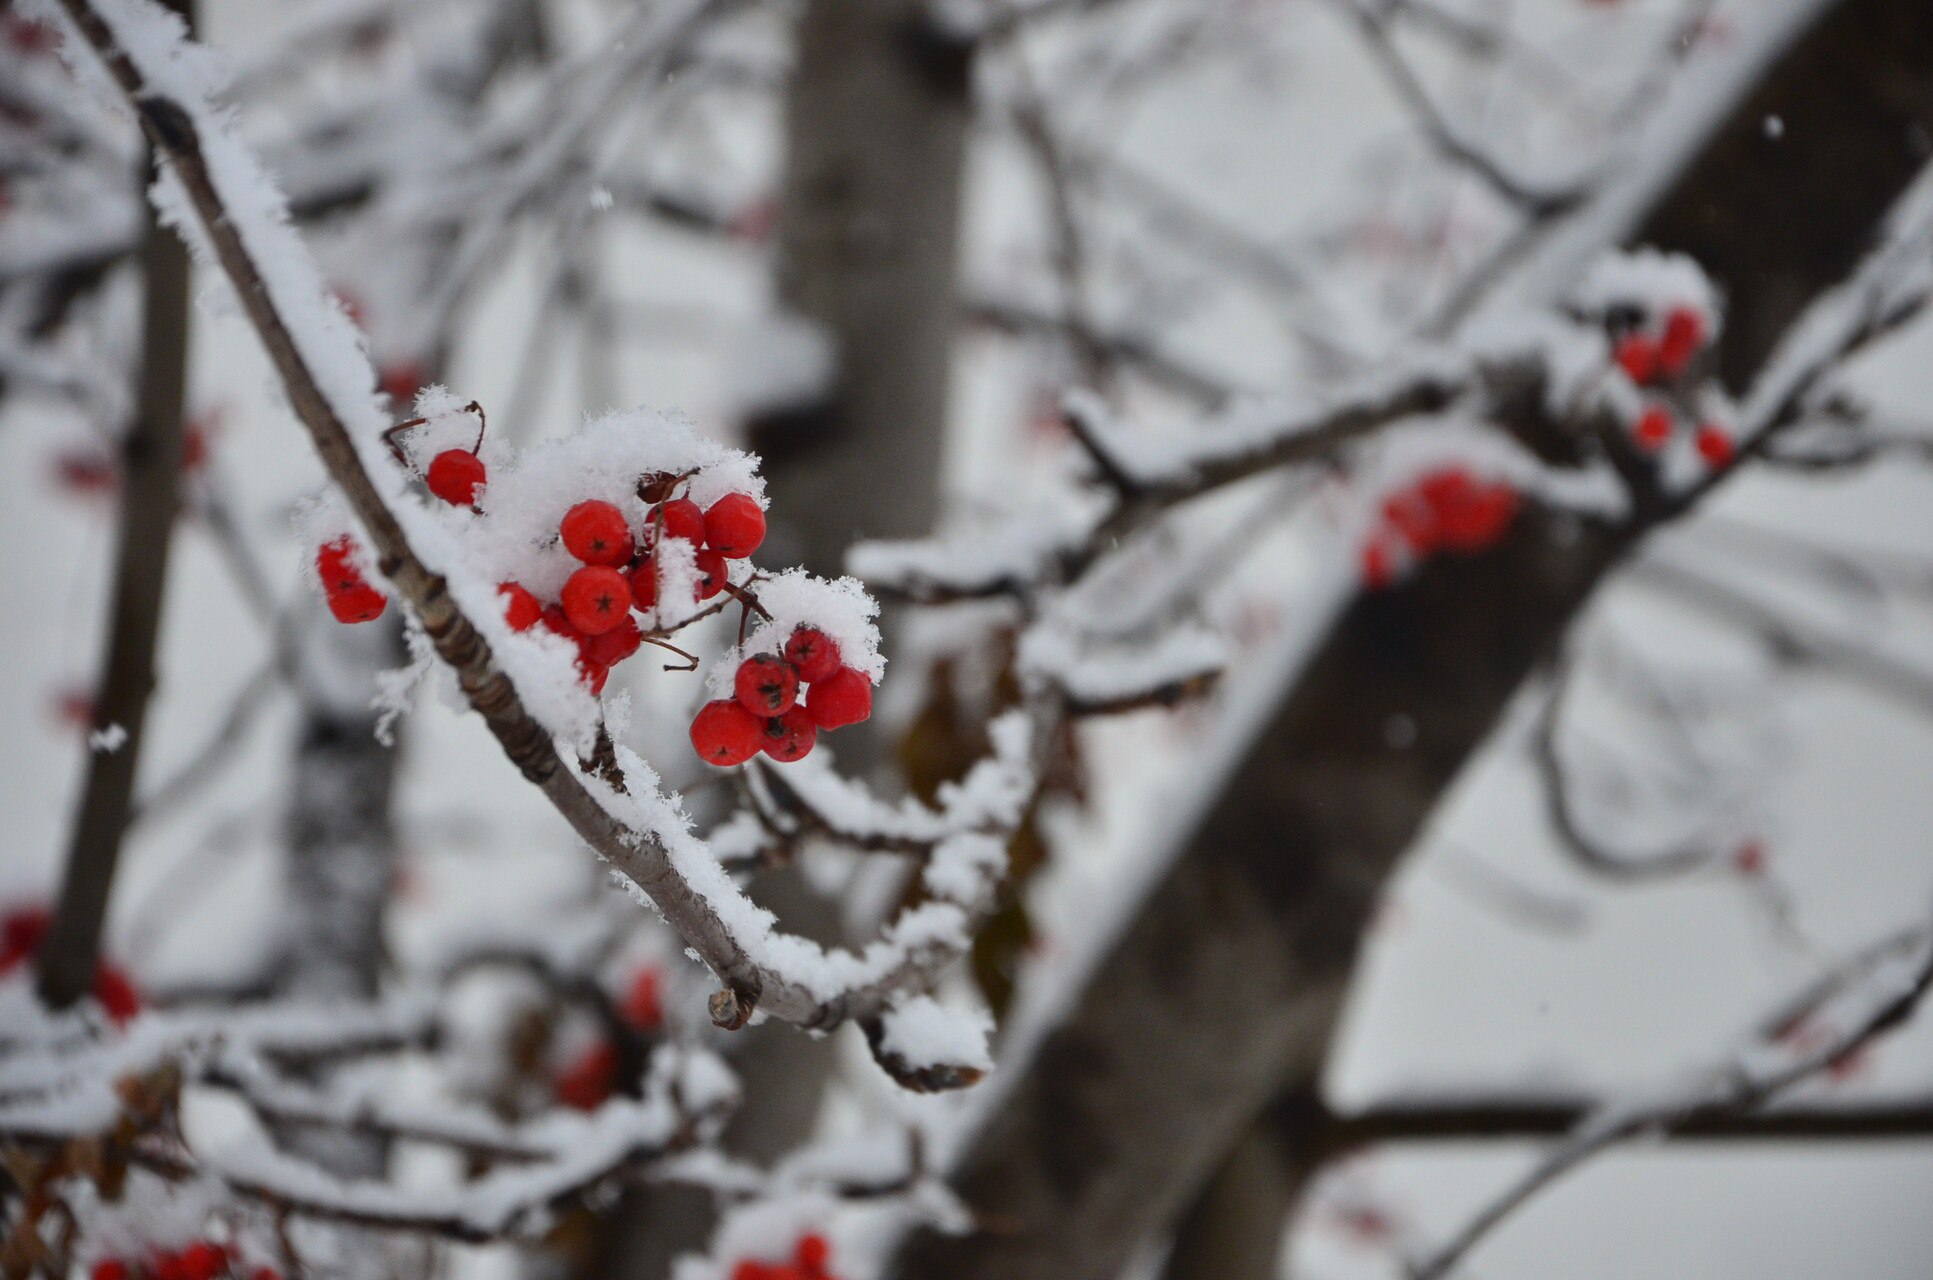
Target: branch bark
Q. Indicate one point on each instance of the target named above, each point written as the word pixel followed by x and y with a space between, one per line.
pixel 151 455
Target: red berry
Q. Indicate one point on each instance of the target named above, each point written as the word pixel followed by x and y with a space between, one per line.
pixel 110 1269
pixel 21 934
pixel 351 598
pixel 813 653
pixel 765 685
pixel 114 991
pixel 1683 337
pixel 644 584
pixel 596 599
pixel 612 647
pixel 1653 429
pixel 1715 445
pixel 735 526
pixel 1637 354
pixel 1378 565
pixel 1412 517
pixel 711 574
pixel 203 1260
pixel 1749 858
pixel 557 624
pixel 357 604
pixel 842 698
pixel 813 1253
pixel 595 533
pixel 590 1079
pixel 594 674
pixel 789 737
pixel 401 382
pixel 725 733
pixel 1477 518
pixel 455 475
pixel 265 1273
pixel 644 1002
pixel 520 609
pixel 682 518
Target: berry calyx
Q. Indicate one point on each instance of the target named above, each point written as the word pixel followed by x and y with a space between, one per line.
pixel 596 599
pixel 789 737
pixel 682 518
pixel 1653 429
pixel 812 653
pixel 711 574
pixel 520 609
pixel 608 648
pixel 1715 445
pixel 724 733
pixel 595 532
pixel 842 698
pixel 455 475
pixel 735 526
pixel 1637 355
pixel 1684 335
pixel 765 685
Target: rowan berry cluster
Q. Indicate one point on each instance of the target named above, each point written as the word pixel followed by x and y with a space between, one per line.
pixel 631 559
pixel 810 1259
pixel 1447 510
pixel 781 702
pixel 197 1260
pixel 1659 360
pixel 24 929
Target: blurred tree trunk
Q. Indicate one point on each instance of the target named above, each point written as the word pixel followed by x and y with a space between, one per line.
pixel 1225 990
pixel 150 475
pixel 868 232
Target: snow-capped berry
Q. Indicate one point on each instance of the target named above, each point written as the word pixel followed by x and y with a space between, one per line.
pixel 595 532
pixel 401 382
pixel 520 609
pixel 725 733
pixel 735 526
pixel 812 653
pixel 842 698
pixel 1684 335
pixel 608 648
pixel 1715 445
pixel 596 599
pixel 455 475
pixel 644 1000
pixel 358 603
pixel 766 685
pixel 682 518
pixel 644 584
pixel 1412 517
pixel 1637 355
pixel 1653 429
pixel 789 737
pixel 711 574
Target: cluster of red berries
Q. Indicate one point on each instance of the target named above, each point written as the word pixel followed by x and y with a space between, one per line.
pixel 588 1080
pixel 1661 359
pixel 1447 510
pixel 810 1259
pixel 198 1260
pixel 24 929
pixel 782 702
pixel 620 572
